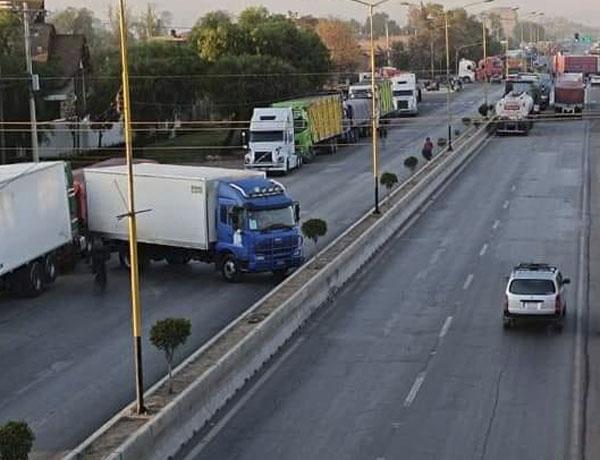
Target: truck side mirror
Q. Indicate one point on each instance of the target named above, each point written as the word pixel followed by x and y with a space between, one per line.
pixel 297 212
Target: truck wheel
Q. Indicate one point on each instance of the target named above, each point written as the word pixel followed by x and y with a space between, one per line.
pixel 50 270
pixel 34 284
pixel 143 261
pixel 230 269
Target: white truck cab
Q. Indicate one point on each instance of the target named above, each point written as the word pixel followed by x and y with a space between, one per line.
pixel 405 94
pixel 466 70
pixel 271 144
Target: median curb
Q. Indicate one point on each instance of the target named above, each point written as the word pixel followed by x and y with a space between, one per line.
pixel 211 376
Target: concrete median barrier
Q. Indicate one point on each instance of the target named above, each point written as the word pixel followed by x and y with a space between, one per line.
pixel 205 381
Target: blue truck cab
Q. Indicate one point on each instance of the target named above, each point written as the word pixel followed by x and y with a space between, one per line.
pixel 257 228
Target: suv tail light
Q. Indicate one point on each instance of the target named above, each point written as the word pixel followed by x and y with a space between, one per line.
pixel 558 305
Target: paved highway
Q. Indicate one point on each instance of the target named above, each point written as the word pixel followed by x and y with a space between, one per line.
pixel 412 361
pixel 69 366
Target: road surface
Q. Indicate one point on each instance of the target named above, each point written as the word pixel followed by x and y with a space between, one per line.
pixel 411 361
pixel 67 360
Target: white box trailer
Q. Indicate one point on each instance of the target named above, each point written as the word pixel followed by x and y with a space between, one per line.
pixel 175 205
pixel 185 213
pixel 35 223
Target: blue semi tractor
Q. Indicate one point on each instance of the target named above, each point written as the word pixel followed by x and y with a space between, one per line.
pixel 239 220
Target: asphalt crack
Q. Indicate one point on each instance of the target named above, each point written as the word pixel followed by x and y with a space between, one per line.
pixel 488 430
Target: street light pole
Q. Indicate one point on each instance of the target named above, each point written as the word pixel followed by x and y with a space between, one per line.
pixel 133 252
pixel 35 151
pixel 448 83
pixel 375 101
pixel 375 117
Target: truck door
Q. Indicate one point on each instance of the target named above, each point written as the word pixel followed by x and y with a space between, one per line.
pixel 226 219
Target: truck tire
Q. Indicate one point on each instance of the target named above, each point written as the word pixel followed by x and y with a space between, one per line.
pixel 143 261
pixel 50 269
pixel 230 269
pixel 29 280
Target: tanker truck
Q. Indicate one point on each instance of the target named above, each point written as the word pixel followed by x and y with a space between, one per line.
pixel 513 113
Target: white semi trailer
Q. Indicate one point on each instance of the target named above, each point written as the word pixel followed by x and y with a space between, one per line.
pixel 38 225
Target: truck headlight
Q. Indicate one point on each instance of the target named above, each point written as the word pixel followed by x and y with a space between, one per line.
pixel 260 258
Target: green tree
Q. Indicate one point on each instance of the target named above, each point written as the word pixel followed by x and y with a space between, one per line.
pixel 237 84
pixel 389 180
pixel 167 335
pixel 16 441
pixel 380 20
pixel 215 35
pixel 314 229
pixel 166 78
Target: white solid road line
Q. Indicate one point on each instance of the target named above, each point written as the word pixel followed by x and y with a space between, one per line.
pixel 214 431
pixel 412 394
pixel 468 281
pixel 483 250
pixel 446 327
pixel 505 205
pixel 513 188
pixel 496 225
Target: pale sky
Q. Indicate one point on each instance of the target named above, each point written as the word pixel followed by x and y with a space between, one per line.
pixel 185 12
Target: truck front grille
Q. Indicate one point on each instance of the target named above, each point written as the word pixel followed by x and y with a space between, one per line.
pixel 278 247
pixel 402 105
pixel 263 157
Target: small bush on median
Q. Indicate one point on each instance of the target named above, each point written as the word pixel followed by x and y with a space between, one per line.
pixel 167 335
pixel 411 163
pixel 314 229
pixel 389 181
pixel 16 441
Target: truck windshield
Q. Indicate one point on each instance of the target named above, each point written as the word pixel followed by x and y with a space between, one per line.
pixel 271 219
pixel 266 136
pixel 403 92
pixel 532 287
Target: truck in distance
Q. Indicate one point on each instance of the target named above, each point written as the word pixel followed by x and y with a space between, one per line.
pixel 288 133
pixel 513 112
pixel 467 70
pixel 406 94
pixel 238 220
pixel 569 94
pixel 39 227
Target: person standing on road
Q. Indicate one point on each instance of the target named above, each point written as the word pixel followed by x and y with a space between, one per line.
pixel 99 258
pixel 427 151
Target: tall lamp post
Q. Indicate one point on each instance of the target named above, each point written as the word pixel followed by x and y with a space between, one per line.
pixel 133 253
pixel 375 99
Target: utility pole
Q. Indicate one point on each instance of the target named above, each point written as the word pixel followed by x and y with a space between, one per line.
pixel 136 311
pixel 375 117
pixel 387 43
pixel 448 83
pixel 2 135
pixel 33 85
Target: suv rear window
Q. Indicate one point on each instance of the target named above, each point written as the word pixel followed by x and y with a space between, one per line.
pixel 532 287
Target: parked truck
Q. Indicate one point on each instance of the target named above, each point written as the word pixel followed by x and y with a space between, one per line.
pixel 467 71
pixel 490 69
pixel 570 63
pixel 238 220
pixel 569 94
pixel 406 94
pixel 513 113
pixel 363 90
pixel 357 118
pixel 39 228
pixel 288 133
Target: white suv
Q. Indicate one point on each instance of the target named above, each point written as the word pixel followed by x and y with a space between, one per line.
pixel 535 291
pixel 594 80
